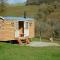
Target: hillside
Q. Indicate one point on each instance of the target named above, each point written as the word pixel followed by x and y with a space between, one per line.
pixel 38 2
pixel 19 11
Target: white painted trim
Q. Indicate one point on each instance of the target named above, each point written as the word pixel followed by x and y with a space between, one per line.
pixel 26 31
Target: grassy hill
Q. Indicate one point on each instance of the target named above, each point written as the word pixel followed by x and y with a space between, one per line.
pixel 19 10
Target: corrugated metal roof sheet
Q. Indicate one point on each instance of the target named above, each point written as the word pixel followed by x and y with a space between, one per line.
pixel 15 18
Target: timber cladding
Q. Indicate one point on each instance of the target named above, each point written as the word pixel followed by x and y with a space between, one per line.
pixel 9 27
pixel 32 29
pixel 7 30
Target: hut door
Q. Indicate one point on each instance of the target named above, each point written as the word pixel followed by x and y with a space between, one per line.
pixel 21 25
pixel 26 29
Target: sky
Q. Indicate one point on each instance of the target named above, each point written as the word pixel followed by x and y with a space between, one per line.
pixel 16 1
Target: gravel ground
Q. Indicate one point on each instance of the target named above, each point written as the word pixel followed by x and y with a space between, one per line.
pixel 42 44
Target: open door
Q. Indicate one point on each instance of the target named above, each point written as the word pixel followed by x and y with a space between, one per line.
pixel 26 29
pixel 21 25
pixel 25 26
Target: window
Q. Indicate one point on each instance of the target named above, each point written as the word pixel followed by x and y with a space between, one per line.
pixel 12 23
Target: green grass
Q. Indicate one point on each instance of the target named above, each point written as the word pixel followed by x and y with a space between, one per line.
pixel 19 10
pixel 45 40
pixel 15 52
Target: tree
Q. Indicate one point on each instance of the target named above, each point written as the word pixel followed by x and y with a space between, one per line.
pixel 48 21
pixel 2 5
pixel 44 11
pixel 54 23
pixel 38 2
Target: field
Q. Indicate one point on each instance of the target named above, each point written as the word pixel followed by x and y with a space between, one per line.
pixel 19 11
pixel 16 52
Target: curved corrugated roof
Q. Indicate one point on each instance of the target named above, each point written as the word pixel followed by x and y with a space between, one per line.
pixel 16 18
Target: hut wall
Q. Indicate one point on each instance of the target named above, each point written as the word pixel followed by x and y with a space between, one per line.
pixel 32 29
pixel 7 30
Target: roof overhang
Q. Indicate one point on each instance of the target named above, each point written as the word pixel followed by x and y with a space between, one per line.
pixel 16 18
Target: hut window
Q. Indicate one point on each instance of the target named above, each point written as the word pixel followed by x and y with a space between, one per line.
pixel 12 24
pixel 26 25
pixel 30 23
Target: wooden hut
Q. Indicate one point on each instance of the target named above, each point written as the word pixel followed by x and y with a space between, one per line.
pixel 8 26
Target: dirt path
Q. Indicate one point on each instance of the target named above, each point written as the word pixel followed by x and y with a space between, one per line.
pixel 42 44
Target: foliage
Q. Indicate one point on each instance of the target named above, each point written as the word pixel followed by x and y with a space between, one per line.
pixel 2 5
pixel 38 2
pixel 47 23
